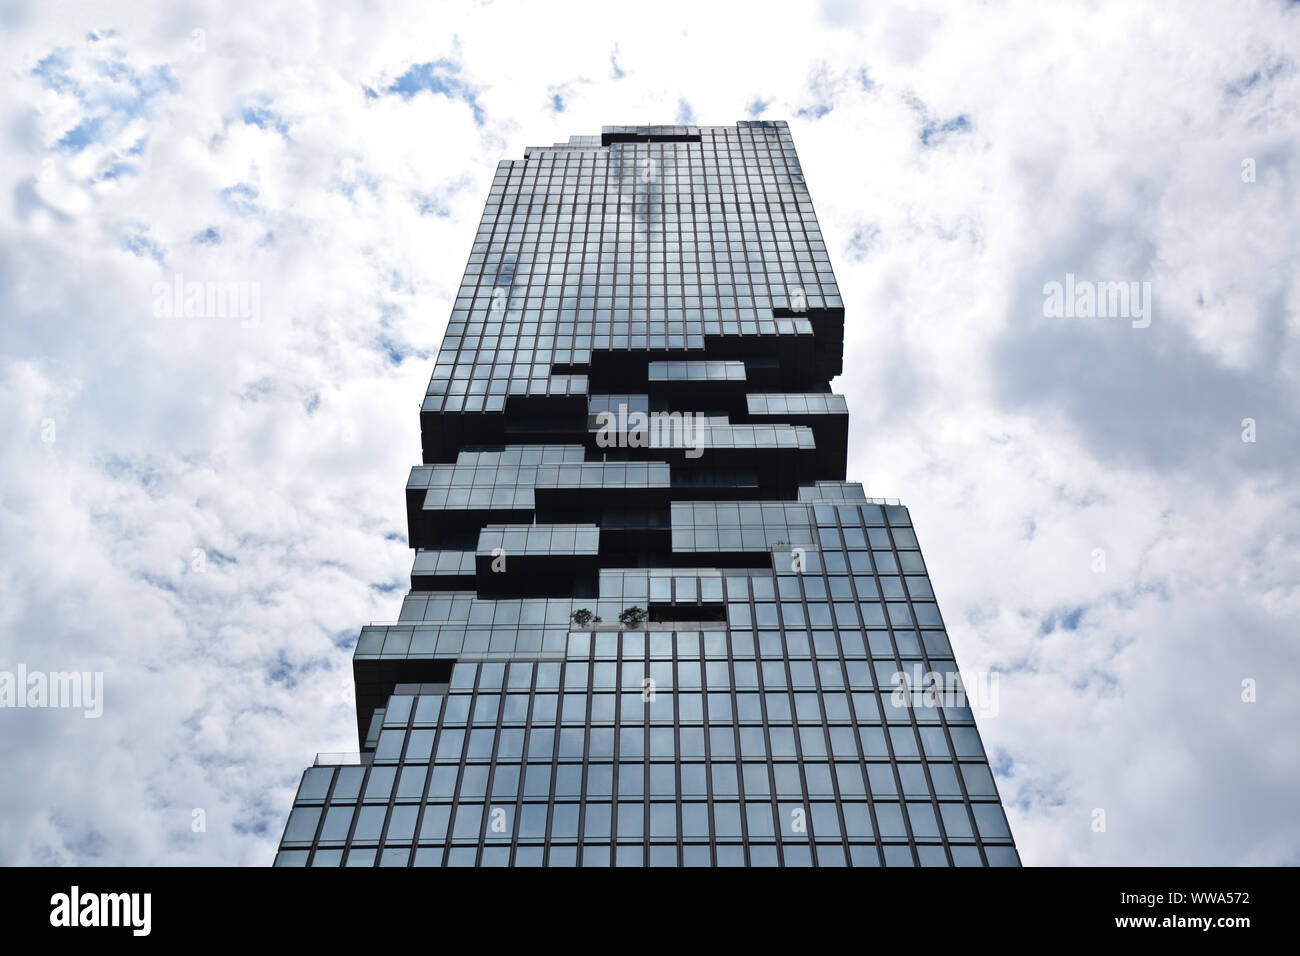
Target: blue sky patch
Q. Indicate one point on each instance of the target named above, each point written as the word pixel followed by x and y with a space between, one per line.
pixel 439 77
pixel 932 133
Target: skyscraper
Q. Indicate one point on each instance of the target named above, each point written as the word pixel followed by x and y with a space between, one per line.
pixel 650 622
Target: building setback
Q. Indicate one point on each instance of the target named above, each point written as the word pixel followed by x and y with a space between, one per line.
pixel 650 622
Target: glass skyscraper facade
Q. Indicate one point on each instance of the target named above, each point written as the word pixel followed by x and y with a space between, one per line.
pixel 650 622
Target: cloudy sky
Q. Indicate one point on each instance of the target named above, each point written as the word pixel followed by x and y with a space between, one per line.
pixel 206 510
